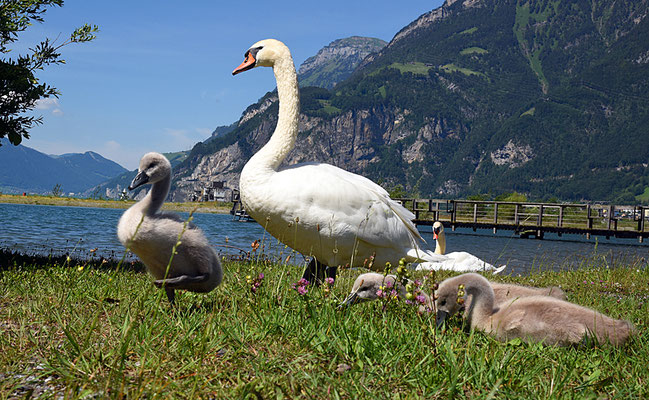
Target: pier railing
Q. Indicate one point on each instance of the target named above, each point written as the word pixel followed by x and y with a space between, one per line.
pixel 534 219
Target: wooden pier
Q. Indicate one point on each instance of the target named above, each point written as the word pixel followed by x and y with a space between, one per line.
pixel 238 212
pixel 534 219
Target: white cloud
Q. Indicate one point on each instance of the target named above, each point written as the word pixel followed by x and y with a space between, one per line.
pixel 49 103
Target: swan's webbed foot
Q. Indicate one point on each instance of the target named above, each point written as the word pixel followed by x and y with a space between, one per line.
pixel 316 272
pixel 180 282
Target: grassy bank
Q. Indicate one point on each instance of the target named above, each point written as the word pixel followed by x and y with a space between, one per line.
pixel 90 330
pixel 202 207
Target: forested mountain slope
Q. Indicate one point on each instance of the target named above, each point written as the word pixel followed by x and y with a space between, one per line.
pixel 543 97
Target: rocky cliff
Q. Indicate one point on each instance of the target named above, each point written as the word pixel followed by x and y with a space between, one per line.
pixel 336 62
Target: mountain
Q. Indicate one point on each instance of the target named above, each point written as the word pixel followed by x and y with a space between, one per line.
pixel 543 97
pixel 114 187
pixel 336 62
pixel 23 169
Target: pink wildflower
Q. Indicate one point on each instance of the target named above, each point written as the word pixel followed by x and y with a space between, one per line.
pixel 329 281
pixel 301 290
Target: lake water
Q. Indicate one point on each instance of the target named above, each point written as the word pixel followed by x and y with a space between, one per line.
pixel 77 230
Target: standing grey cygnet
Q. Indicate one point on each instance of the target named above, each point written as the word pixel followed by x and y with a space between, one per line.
pixel 367 285
pixel 151 234
pixel 535 318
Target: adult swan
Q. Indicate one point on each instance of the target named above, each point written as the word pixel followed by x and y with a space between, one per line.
pixel 335 216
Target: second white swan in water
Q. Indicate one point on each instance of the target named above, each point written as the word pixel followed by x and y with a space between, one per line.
pixel 460 261
pixel 320 210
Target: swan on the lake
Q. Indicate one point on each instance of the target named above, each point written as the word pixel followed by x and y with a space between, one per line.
pixel 151 234
pixel 534 319
pixel 460 261
pixel 320 210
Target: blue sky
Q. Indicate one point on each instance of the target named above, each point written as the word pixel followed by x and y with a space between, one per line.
pixel 158 76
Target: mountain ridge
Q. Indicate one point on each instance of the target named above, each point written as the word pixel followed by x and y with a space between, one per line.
pixel 23 169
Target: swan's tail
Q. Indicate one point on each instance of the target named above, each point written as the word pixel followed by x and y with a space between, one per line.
pixel 499 269
pixel 421 255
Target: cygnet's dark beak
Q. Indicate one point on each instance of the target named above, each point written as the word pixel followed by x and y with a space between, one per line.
pixel 350 300
pixel 440 317
pixel 140 179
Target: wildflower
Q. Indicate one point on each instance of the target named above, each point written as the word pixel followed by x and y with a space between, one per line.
pixel 421 299
pixel 301 287
pixel 255 245
pixel 379 293
pixel 80 268
pixel 389 284
pixel 329 281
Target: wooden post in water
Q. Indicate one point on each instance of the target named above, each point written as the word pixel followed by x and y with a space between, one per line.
pixel 560 222
pixel 589 221
pixel 453 215
pixel 495 216
pixel 539 223
pixel 516 215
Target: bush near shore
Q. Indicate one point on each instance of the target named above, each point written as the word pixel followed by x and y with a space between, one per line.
pixel 96 329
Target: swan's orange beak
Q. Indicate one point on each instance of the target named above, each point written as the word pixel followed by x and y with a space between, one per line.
pixel 248 63
pixel 435 235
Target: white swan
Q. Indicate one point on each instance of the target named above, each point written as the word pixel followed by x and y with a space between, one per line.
pixel 152 234
pixel 535 318
pixel 317 209
pixel 460 261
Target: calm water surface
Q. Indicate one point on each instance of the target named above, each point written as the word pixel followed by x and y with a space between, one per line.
pixel 77 230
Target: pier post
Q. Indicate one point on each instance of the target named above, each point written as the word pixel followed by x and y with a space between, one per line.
pixel 516 215
pixel 495 217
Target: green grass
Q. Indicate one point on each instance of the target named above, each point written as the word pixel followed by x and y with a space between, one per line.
pixel 469 31
pixel 531 111
pixel 455 68
pixel 85 330
pixel 644 197
pixel 200 207
pixel 474 50
pixel 417 68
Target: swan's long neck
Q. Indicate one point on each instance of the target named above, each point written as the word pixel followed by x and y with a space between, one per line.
pixel 281 142
pixel 440 247
pixel 152 202
pixel 482 301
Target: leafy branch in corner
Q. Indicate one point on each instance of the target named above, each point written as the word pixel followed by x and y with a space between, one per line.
pixel 20 89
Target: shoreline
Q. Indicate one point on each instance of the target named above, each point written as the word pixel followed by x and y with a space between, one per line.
pixel 199 207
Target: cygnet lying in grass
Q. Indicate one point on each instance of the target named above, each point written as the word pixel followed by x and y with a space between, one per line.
pixel 366 288
pixel 151 234
pixel 535 318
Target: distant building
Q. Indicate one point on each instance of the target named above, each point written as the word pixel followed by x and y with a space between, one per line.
pixel 213 191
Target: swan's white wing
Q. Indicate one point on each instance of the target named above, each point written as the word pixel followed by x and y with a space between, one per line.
pixel 335 209
pixel 460 261
pixel 345 201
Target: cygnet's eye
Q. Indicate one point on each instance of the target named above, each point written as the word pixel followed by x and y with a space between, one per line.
pixel 442 303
